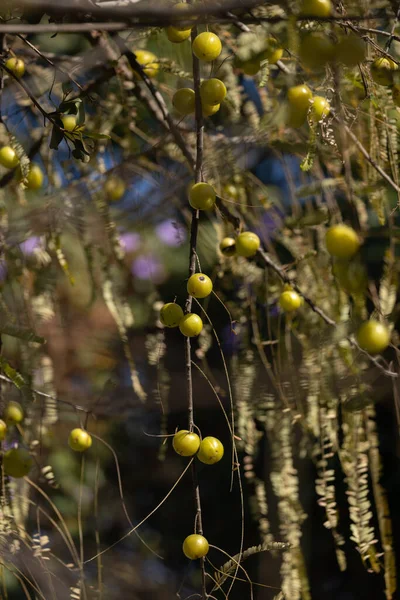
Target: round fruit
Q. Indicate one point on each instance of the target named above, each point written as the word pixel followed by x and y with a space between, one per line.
pixel 211 450
pixel 316 49
pixel 342 241
pixel 186 443
pixel 374 337
pixel 191 325
pixel 195 546
pixel 8 157
pixel 13 413
pixel 17 462
pixel 176 36
pixel 183 25
pixel 208 110
pixel 273 53
pixel 184 101
pixel 79 440
pixel 299 97
pixel 69 122
pixel 350 50
pixel 115 188
pixel 147 60
pixel 250 67
pixel 212 91
pixel 228 246
pixel 247 244
pixel 202 196
pixel 316 8
pixel 3 430
pixel 207 46
pixel 382 71
pixel 320 108
pixel 351 276
pixel 199 285
pixel 230 190
pixel 396 94
pixel 171 314
pixel 16 65
pixel 35 178
pixel 290 300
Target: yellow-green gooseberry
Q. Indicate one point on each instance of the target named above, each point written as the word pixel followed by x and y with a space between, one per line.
pixel 290 300
pixel 230 190
pixel 3 430
pixel 171 314
pixel 273 52
pixel 16 65
pixel 342 241
pixel 209 110
pixel 17 462
pixel 79 440
pixel 350 50
pixel 247 244
pixel 183 25
pixel 320 108
pixel 69 122
pixel 176 36
pixel 315 50
pixel 382 70
pixel 191 325
pixel 207 46
pixel 211 450
pixel 199 285
pixel 316 8
pixel 148 62
pixel 299 97
pixel 8 157
pixel 35 178
pixel 13 413
pixel 114 188
pixel 202 196
pixel 373 336
pixel 212 91
pixel 186 443
pixel 184 101
pixel 195 546
pixel 228 246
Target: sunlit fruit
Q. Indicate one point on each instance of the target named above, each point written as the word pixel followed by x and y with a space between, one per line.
pixel 114 188
pixel 350 50
pixel 8 157
pixel 212 91
pixel 350 275
pixel 195 546
pixel 316 8
pixel 382 70
pixel 290 301
pixel 247 244
pixel 251 66
pixel 16 65
pixel 13 413
pixel 35 178
pixel 373 336
pixel 211 450
pixel 3 430
pixel 199 285
pixel 299 97
pixel 183 25
pixel 202 196
pixel 320 108
pixel 69 122
pixel 207 46
pixel 79 440
pixel 184 101
pixel 177 36
pixel 396 94
pixel 208 110
pixel 229 190
pixel 228 246
pixel 273 52
pixel 315 50
pixel 191 325
pixel 148 61
pixel 17 462
pixel 186 443
pixel 342 241
pixel 171 314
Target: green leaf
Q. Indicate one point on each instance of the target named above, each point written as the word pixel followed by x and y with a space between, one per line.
pixel 16 378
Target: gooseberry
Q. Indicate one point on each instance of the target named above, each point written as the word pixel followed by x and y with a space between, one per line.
pixel 79 440
pixel 320 108
pixel 247 244
pixel 202 196
pixel 373 336
pixel 316 49
pixel 199 285
pixel 342 241
pixel 186 443
pixel 212 91
pixel 191 325
pixel 184 100
pixel 350 50
pixel 208 110
pixel 228 246
pixel 183 25
pixel 230 190
pixel 13 413
pixel 207 46
pixel 273 52
pixel 69 122
pixel 316 8
pixel 114 188
pixel 3 430
pixel 16 65
pixel 290 300
pixel 35 178
pixel 17 462
pixel 195 546
pixel 8 157
pixel 176 36
pixel 382 71
pixel 211 450
pixel 148 62
pixel 171 314
pixel 299 97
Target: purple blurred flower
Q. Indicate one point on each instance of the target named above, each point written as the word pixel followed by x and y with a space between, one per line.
pixel 171 233
pixel 130 241
pixel 30 245
pixel 148 267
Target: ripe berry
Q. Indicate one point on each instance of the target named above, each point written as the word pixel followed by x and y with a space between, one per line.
pixel 212 91
pixel 114 188
pixel 79 440
pixel 247 244
pixel 199 285
pixel 69 122
pixel 35 178
pixel 16 65
pixel 147 60
pixel 299 98
pixel 211 450
pixel 228 246
pixel 208 110
pixel 382 71
pixel 8 157
pixel 207 46
pixel 273 52
pixel 373 336
pixel 186 443
pixel 191 325
pixel 316 8
pixel 3 430
pixel 230 190
pixel 316 49
pixel 320 108
pixel 350 50
pixel 13 413
pixel 184 101
pixel 183 25
pixel 176 36
pixel 195 546
pixel 17 462
pixel 202 196
pixel 342 241
pixel 171 314
pixel 290 301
